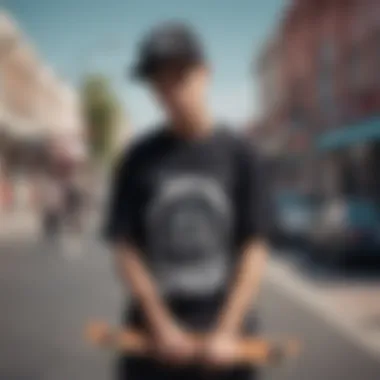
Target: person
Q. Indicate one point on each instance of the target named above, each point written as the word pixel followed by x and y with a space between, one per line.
pixel 52 205
pixel 184 222
pixel 74 204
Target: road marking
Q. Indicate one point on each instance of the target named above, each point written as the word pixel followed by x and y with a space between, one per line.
pixel 292 283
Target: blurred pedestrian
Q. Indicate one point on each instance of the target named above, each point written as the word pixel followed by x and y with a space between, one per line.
pixel 74 204
pixel 184 222
pixel 52 206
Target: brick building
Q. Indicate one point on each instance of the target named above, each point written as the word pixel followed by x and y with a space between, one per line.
pixel 320 91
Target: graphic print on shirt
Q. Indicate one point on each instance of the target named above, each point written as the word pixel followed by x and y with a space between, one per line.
pixel 189 222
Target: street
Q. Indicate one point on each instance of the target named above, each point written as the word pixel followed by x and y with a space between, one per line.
pixel 46 297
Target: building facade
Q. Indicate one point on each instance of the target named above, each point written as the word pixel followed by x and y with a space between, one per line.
pixel 321 96
pixel 36 109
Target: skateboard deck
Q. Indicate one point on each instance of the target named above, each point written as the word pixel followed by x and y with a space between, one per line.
pixel 250 350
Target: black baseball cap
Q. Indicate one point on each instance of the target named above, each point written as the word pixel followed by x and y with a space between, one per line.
pixel 168 43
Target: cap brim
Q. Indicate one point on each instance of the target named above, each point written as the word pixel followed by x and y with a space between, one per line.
pixel 145 70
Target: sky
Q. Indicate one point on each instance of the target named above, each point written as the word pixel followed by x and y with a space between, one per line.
pixel 78 36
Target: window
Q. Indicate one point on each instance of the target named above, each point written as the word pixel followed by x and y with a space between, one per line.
pixel 326 65
pixel 271 84
pixel 378 52
pixel 297 116
pixel 354 68
pixel 359 73
pixel 327 55
pixel 362 14
pixel 326 90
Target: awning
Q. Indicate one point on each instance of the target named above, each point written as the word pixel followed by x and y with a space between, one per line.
pixel 357 133
pixel 68 148
pixel 19 127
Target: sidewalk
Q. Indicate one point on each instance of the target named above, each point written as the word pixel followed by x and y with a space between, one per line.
pixel 18 224
pixel 352 307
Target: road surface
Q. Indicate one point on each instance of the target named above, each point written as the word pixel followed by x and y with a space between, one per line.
pixel 47 294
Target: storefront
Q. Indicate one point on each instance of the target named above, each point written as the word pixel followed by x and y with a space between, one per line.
pixel 22 156
pixel 350 157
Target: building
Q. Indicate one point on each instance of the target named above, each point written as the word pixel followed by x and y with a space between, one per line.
pixel 37 109
pixel 320 89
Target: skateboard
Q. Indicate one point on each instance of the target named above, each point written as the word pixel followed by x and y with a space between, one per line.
pixel 254 351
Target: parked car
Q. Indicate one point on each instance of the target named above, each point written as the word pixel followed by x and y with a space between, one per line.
pixel 293 218
pixel 347 228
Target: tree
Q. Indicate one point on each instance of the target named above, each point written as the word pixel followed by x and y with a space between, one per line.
pixel 102 113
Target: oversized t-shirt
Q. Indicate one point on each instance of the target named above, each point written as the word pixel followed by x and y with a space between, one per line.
pixel 188 206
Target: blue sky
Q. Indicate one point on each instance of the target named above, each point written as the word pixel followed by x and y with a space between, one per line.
pixel 75 36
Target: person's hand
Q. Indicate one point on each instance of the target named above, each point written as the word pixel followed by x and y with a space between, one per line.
pixel 174 346
pixel 220 351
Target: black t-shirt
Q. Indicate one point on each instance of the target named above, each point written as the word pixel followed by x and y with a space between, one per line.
pixel 188 206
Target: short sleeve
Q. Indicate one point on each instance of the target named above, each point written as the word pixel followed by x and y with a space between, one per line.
pixel 252 196
pixel 121 207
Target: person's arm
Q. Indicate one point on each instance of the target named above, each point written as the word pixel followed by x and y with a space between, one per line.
pixel 135 275
pixel 245 288
pixel 170 341
pixel 251 224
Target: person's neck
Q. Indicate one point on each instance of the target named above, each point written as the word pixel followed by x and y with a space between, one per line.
pixel 198 126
